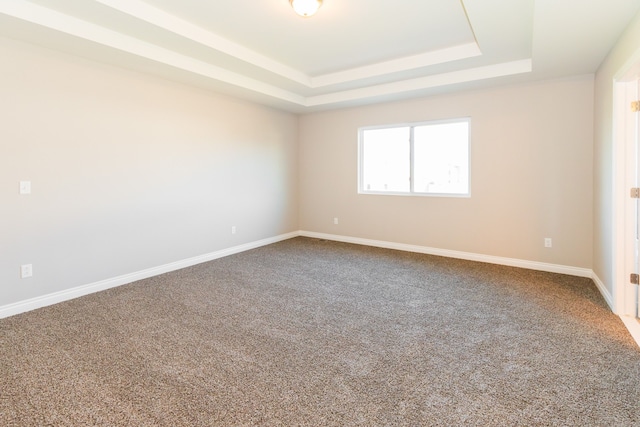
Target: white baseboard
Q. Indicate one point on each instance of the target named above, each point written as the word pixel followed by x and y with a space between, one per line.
pixel 604 291
pixel 53 298
pixel 68 294
pixel 633 325
pixel 512 262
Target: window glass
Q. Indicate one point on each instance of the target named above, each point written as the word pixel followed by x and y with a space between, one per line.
pixel 387 166
pixel 424 159
pixel 441 158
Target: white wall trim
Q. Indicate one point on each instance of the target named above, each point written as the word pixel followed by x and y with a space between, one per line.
pixel 512 262
pixel 604 291
pixel 633 325
pixel 68 294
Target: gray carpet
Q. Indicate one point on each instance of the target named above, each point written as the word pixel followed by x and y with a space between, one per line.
pixel 314 333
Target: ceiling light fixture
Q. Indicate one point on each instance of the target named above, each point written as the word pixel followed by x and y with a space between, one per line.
pixel 305 8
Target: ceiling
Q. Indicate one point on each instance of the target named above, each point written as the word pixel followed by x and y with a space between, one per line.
pixel 352 52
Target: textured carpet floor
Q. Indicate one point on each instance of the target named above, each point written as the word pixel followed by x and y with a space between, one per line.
pixel 314 333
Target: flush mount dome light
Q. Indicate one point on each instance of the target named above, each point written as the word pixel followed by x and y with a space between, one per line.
pixel 305 8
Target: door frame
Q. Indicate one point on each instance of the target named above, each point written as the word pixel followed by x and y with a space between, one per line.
pixel 625 176
pixel 625 292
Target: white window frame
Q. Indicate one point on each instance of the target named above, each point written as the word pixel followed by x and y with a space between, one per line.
pixel 411 127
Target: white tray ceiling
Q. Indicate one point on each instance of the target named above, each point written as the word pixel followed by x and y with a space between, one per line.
pixel 351 52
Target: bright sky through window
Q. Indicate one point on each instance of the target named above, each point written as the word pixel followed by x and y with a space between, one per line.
pixel 426 158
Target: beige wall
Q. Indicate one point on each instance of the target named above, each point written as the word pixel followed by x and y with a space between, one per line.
pixel 129 172
pixel 531 175
pixel 625 49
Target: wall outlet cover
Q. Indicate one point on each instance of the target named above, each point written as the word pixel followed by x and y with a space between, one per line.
pixel 26 270
pixel 25 187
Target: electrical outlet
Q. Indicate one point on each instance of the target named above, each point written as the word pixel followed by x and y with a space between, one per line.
pixel 233 229
pixel 26 270
pixel 25 187
pixel 335 221
pixel 548 242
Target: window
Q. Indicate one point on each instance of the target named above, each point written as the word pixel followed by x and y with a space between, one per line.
pixel 430 158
